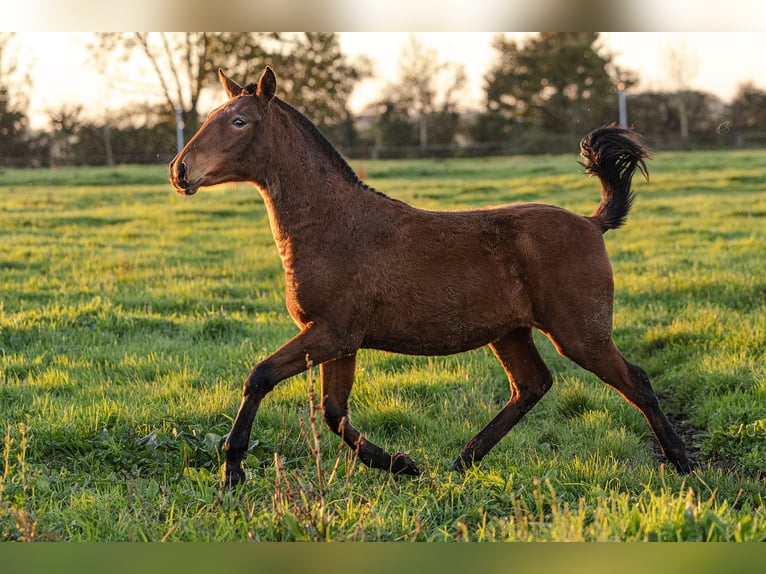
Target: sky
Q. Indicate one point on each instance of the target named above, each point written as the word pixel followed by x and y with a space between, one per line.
pixel 63 72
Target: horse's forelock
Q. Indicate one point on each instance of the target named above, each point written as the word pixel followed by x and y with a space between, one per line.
pixel 250 89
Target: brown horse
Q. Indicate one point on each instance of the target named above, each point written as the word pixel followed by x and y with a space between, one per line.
pixel 364 270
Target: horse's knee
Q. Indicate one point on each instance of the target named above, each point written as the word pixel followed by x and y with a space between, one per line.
pixel 532 390
pixel 260 381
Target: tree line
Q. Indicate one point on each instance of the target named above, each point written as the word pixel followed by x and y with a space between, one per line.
pixel 541 94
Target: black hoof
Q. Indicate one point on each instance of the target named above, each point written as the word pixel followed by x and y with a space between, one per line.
pixel 233 477
pixel 685 465
pixel 402 464
pixel 461 465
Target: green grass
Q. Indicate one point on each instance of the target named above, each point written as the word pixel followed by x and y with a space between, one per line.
pixel 130 316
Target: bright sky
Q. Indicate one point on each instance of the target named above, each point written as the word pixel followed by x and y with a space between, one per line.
pixel 62 71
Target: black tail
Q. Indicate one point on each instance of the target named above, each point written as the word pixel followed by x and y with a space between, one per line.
pixel 612 154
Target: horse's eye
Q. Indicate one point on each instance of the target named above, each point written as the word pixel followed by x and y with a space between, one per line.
pixel 239 122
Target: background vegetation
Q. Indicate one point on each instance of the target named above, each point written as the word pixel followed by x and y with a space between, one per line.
pixel 539 93
pixel 130 316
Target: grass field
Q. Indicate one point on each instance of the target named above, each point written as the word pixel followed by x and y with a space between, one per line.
pixel 130 316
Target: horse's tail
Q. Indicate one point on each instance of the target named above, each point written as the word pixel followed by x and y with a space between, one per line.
pixel 612 154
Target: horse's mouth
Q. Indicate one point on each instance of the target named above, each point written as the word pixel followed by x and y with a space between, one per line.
pixel 186 188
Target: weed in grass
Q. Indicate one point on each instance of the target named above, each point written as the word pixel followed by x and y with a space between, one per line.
pixel 301 498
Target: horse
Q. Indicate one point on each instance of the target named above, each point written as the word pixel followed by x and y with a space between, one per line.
pixel 366 271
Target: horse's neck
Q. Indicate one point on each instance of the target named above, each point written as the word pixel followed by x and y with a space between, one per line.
pixel 300 197
pixel 305 216
pixel 309 187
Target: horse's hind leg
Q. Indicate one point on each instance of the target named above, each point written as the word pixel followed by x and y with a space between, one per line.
pixel 529 378
pixel 633 384
pixel 337 378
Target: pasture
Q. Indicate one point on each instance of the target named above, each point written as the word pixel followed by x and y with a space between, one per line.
pixel 130 317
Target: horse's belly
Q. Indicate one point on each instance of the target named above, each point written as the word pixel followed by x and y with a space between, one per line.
pixel 420 346
pixel 436 335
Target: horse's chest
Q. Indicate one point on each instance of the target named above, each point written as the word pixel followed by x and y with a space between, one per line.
pixel 309 293
pixel 319 276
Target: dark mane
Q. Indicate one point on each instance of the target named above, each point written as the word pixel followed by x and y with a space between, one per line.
pixel 332 154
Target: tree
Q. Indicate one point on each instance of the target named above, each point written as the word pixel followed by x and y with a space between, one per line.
pixel 421 104
pixel 657 117
pixel 13 104
pixel 67 124
pixel 182 64
pixel 12 129
pixel 392 126
pixel 314 74
pixel 748 109
pixel 554 82
pixel 138 133
pixel 318 79
pixel 681 65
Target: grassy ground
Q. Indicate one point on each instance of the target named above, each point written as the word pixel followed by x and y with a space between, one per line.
pixel 129 317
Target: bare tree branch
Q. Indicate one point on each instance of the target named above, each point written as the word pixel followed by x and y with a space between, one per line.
pixel 144 43
pixel 173 69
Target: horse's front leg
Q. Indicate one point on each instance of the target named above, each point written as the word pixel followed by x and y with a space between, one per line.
pixel 314 344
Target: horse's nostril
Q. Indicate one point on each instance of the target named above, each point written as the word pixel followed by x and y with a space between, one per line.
pixel 181 171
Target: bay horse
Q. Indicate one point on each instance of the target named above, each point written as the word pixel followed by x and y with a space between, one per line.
pixel 364 270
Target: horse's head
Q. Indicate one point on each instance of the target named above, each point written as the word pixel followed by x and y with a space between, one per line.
pixel 222 150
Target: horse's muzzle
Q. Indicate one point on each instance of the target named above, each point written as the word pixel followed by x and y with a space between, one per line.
pixel 178 178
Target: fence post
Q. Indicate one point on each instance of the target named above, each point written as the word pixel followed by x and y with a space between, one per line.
pixel 622 105
pixel 179 129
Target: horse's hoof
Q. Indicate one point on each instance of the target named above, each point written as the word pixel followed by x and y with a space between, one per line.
pixel 402 464
pixel 460 465
pixel 232 477
pixel 685 465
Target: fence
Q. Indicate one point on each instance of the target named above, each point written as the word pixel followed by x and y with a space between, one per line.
pixel 530 144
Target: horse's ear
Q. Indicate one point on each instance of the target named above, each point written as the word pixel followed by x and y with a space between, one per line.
pixel 267 85
pixel 232 88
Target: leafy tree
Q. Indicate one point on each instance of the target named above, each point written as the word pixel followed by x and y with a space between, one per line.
pixel 13 103
pixel 421 105
pixel 392 126
pixel 657 116
pixel 748 109
pixel 139 133
pixel 142 134
pixel 13 124
pixel 554 82
pixel 72 138
pixel 318 79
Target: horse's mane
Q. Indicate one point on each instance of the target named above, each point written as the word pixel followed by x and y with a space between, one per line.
pixel 329 150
